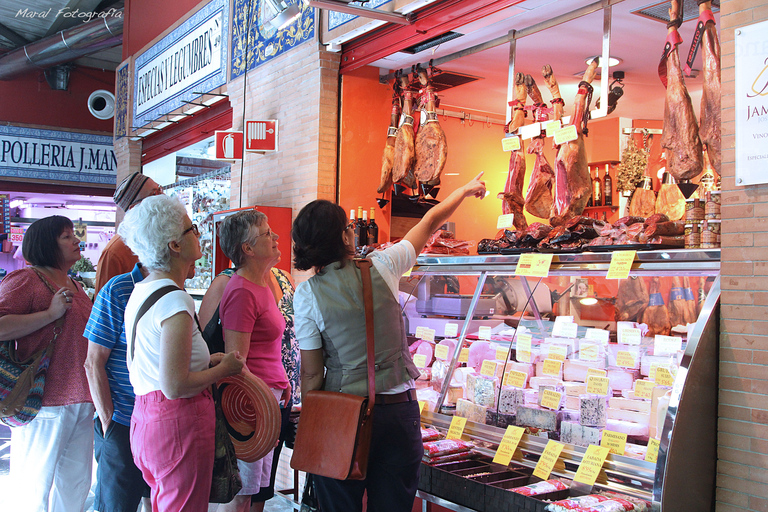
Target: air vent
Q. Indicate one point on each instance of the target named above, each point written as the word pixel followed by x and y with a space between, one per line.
pixel 431 43
pixel 450 79
pixel 660 11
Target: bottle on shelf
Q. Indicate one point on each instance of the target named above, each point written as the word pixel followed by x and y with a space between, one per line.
pixel 361 236
pixel 607 187
pixel 353 222
pixel 373 230
pixel 589 201
pixel 597 190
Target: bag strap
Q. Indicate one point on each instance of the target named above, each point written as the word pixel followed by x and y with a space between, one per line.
pixel 148 303
pixel 365 272
pixel 59 321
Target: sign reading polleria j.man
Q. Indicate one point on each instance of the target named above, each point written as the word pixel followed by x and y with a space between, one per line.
pixel 57 156
pixel 191 59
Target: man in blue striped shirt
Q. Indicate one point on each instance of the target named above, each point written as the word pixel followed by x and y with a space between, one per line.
pixel 119 484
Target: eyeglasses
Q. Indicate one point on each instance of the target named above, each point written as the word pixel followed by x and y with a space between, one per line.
pixel 192 228
pixel 268 233
pixel 351 225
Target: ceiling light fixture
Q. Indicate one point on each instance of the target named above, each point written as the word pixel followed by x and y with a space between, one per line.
pixel 365 12
pixel 282 13
pixel 612 61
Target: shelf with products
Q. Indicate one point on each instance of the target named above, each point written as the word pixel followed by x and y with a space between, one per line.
pixel 576 291
pixel 598 171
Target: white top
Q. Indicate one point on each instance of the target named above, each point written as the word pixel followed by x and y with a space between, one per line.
pixel 391 263
pixel 144 367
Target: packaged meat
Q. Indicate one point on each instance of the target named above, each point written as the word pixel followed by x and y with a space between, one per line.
pixel 576 503
pixel 451 457
pixel 429 434
pixel 539 488
pixel 446 447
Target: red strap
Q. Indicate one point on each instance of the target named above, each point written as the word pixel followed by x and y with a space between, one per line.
pixel 704 18
pixel 365 273
pixel 673 39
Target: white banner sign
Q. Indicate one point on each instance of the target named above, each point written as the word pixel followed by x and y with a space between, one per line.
pixel 751 104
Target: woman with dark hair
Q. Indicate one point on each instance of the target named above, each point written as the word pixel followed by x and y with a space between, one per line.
pixel 253 325
pixel 330 327
pixel 50 456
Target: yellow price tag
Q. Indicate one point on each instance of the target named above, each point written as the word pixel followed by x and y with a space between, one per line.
pixel 408 272
pixel 621 264
pixel 505 221
pixel 533 265
pixel 422 403
pixel 548 459
pixel 441 352
pixel 501 354
pixel 419 332
pixel 625 359
pixel 664 377
pixel 616 442
pixel 510 143
pixel 508 445
pixel 597 385
pixel 591 464
pixel 588 352
pixel 484 332
pixel 464 355
pixel 558 352
pixel 644 388
pixel 552 126
pixel 488 368
pixel 420 360
pixel 552 367
pixel 523 349
pixel 597 372
pixel 652 453
pixel 428 335
pixel 551 399
pixel 457 428
pixel 515 378
pixel 566 134
pixel 451 330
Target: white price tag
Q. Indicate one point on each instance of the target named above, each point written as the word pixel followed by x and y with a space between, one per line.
pixel 451 330
pixel 484 332
pixel 565 329
pixel 505 221
pixel 629 337
pixel 600 335
pixel 530 131
pixel 666 345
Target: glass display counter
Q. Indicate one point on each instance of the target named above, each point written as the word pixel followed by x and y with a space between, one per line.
pixel 659 326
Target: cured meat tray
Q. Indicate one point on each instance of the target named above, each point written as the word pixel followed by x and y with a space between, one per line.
pixel 629 247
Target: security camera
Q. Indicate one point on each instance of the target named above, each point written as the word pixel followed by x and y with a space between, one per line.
pixel 101 104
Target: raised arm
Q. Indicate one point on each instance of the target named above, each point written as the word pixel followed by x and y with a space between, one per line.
pixel 437 215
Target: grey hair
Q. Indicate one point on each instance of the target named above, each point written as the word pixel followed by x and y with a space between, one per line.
pixel 150 226
pixel 235 230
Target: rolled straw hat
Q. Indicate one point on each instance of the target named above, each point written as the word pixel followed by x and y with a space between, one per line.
pixel 252 414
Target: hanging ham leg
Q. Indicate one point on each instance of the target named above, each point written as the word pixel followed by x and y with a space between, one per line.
pixel 518 104
pixel 405 152
pixel 554 89
pixel 538 198
pixel 681 131
pixel 709 131
pixel 388 159
pixel 678 308
pixel 656 316
pixel 512 197
pixel 431 146
pixel 573 185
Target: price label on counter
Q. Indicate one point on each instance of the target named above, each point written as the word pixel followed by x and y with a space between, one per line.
pixel 652 453
pixel 501 354
pixel 505 221
pixel 600 335
pixel 408 272
pixel 484 332
pixel 597 372
pixel 621 264
pixel 566 134
pixel 533 265
pixel 515 378
pixel 552 367
pixel 529 131
pixel 488 368
pixel 523 348
pixel 464 355
pixel 451 330
pixel 420 360
pixel 441 352
pixel 588 351
pixel 508 445
pixel 558 352
pixel 591 464
pixel 666 345
pixel 631 336
pixel 511 143
pixel 664 377
pixel 548 459
pixel 422 403
pixel 625 359
pixel 419 332
pixel 616 442
pixel 644 388
pixel 457 428
pixel 428 335
pixel 552 126
pixel 551 399
pixel 597 385
pixel 565 329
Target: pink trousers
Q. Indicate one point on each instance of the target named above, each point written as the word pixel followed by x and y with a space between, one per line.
pixel 173 445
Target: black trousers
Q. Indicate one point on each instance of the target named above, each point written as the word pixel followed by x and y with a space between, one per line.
pixel 393 466
pixel 119 484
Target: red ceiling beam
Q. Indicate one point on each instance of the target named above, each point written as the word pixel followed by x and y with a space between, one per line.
pixel 431 21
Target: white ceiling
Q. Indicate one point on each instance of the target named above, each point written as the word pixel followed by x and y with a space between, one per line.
pixel 635 39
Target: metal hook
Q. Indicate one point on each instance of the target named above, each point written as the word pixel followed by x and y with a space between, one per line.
pixel 470 120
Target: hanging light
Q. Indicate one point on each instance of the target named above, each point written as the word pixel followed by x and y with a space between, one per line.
pixel 284 14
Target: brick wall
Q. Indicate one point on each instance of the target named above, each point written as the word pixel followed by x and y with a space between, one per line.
pixel 742 470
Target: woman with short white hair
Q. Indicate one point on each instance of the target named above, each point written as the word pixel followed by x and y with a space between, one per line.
pixel 171 370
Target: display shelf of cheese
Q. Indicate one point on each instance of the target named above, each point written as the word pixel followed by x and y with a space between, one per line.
pixel 685 428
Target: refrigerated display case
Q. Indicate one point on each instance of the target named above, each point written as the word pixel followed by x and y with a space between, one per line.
pixel 577 291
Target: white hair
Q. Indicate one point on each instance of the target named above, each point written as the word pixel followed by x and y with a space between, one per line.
pixel 150 226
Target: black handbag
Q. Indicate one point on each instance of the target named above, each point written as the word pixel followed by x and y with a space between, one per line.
pixel 226 481
pixel 309 501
